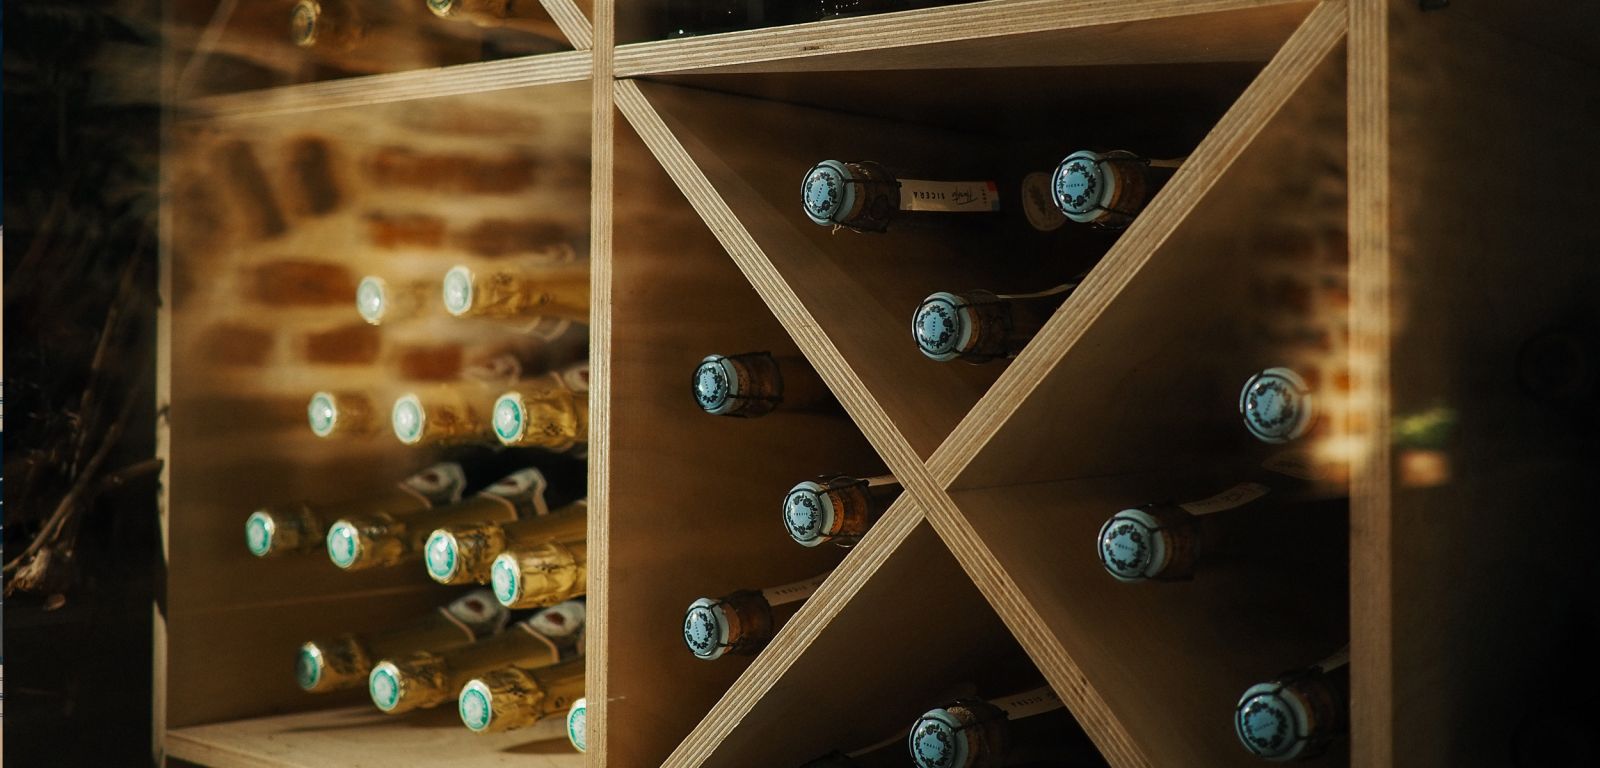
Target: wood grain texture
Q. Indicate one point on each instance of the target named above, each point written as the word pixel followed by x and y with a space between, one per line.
pixel 1018 32
pixel 364 738
pixel 565 67
pixel 602 226
pixel 573 21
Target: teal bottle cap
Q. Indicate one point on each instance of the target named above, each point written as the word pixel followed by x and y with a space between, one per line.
pixel 439 555
pixel 505 578
pixel 827 194
pixel 1277 406
pixel 578 725
pixel 323 413
pixel 442 7
pixel 939 740
pixel 943 326
pixel 344 544
pixel 1082 187
pixel 1273 722
pixel 383 684
pixel 308 666
pixel 372 299
pixel 303 23
pixel 717 385
pixel 474 706
pixel 1131 545
pixel 259 528
pixel 705 629
pixel 408 419
pixel 510 421
pixel 458 290
pixel 808 513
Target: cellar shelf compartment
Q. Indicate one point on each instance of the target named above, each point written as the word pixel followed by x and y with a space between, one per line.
pixel 693 501
pixel 250 46
pixel 913 635
pixel 754 137
pixel 272 220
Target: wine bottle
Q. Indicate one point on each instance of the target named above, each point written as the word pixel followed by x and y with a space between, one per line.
pixel 342 414
pixel 525 292
pixel 521 15
pixel 1165 541
pixel 742 622
pixel 548 413
pixel 970 732
pixel 446 414
pixel 464 553
pixel 334 25
pixel 302 526
pixel 378 301
pixel 1296 715
pixel 427 679
pixel 541 574
pixel 1107 189
pixel 357 542
pixel 980 326
pixel 515 697
pixel 345 661
pixel 578 725
pixel 757 383
pixel 837 509
pixel 867 197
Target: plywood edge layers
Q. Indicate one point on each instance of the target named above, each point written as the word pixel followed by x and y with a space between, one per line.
pixel 801 45
pixel 1371 553
pixel 1307 48
pixel 463 79
pixel 797 634
pixel 820 351
pixel 601 226
pixel 573 23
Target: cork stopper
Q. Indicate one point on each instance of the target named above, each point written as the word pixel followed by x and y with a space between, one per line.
pixel 415 683
pixel 1292 718
pixel 331 665
pixel 740 623
pixel 1152 542
pixel 966 733
pixel 541 575
pixel 973 326
pixel 1277 406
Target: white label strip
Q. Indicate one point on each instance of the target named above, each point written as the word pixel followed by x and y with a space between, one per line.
pixel 1339 658
pixel 1237 496
pixel 789 593
pixel 949 196
pixel 1029 703
pixel 874 482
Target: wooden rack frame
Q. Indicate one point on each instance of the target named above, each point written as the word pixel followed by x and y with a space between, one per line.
pixel 1007 469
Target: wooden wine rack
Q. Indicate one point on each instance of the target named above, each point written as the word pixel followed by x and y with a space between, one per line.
pixel 1333 131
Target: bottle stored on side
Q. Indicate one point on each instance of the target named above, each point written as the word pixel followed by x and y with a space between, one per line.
pixel 423 680
pixel 550 412
pixel 515 697
pixel 757 383
pixel 557 290
pixel 343 414
pixel 380 301
pixel 541 574
pixel 866 197
pixel 302 526
pixel 838 509
pixel 578 725
pixel 357 542
pixel 979 326
pixel 1107 189
pixel 443 415
pixel 1296 715
pixel 345 661
pixel 1015 730
pixel 743 622
pixel 522 15
pixel 331 25
pixel 465 553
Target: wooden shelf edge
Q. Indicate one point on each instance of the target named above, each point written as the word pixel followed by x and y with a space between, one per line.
pixel 464 79
pixel 572 21
pixel 1372 737
pixel 601 226
pixel 1233 135
pixel 780 298
pixel 798 633
pixel 184 746
pixel 997 18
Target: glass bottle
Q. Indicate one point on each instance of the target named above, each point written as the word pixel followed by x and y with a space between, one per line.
pixel 837 509
pixel 971 732
pixel 1296 715
pixel 866 197
pixel 757 383
pixel 1107 189
pixel 523 292
pixel 358 542
pixel 742 622
pixel 515 697
pixel 546 413
pixel 427 679
pixel 302 526
pixel 464 553
pixel 342 414
pixel 540 574
pixel 979 326
pixel 345 661
pixel 379 301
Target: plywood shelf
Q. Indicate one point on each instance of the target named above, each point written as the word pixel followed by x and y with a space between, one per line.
pixel 1280 241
